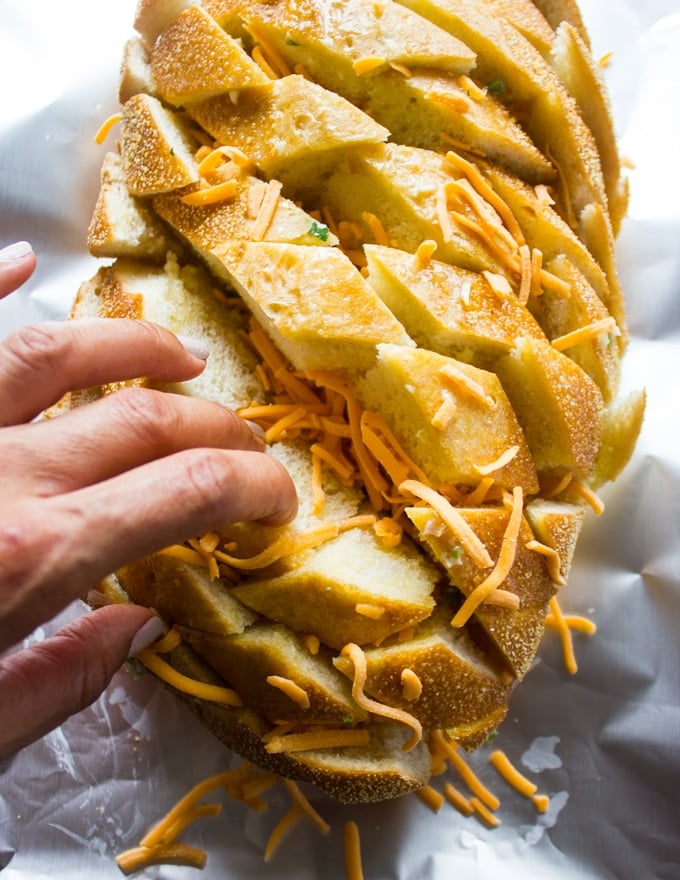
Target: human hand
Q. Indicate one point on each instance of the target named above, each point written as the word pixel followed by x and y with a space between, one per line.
pixel 109 482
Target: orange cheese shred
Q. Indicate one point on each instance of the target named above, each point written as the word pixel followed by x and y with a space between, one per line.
pixel 284 545
pixel 210 195
pixel 458 800
pixel 453 520
pixel 291 689
pixel 552 561
pixel 431 798
pixel 105 128
pixel 268 52
pixel 504 563
pixel 560 624
pixel 424 252
pixel 365 609
pixel 500 761
pixel 411 685
pixel 309 810
pixel 281 830
pixel 358 658
pixel 317 739
pixel 186 554
pixel 484 812
pixel 585 334
pixel 588 495
pixel 367 65
pixel 460 381
pixel 467 774
pixel 202 690
pixel 266 210
pixel 504 459
pixel 352 851
pixel 444 415
pixel 141 857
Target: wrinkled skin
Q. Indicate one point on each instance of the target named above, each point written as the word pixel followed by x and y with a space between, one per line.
pixel 90 490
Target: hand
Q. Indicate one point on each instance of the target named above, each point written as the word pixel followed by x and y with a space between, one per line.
pixel 109 482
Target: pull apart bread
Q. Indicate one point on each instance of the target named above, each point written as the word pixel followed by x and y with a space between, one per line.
pixel 393 226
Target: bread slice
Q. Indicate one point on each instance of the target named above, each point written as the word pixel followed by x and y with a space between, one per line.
pixel 319 311
pixel 557 524
pixel 122 224
pixel 558 405
pixel 286 124
pixel 157 150
pixel 408 386
pixel 437 653
pixel 527 18
pixel 193 59
pixel 448 309
pixel 557 11
pixel 135 71
pixel 516 633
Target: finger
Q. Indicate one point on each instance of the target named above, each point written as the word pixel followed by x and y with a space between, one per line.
pixel 53 549
pixel 113 435
pixel 39 363
pixel 51 681
pixel 17 262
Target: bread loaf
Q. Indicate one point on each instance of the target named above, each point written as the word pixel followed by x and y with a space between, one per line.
pixel 392 224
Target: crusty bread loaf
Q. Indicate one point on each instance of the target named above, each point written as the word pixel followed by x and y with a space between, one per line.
pixel 392 224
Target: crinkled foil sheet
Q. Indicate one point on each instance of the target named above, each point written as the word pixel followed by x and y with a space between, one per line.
pixel 603 743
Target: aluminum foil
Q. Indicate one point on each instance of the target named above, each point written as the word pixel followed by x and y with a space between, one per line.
pixel 603 743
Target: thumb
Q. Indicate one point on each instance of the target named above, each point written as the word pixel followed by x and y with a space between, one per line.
pixel 44 685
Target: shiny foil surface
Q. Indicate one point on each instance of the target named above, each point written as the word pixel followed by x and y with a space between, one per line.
pixel 603 743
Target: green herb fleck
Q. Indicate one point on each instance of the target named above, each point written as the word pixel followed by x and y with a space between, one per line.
pixel 496 86
pixel 291 42
pixel 347 719
pixel 319 230
pixel 456 555
pixel 172 151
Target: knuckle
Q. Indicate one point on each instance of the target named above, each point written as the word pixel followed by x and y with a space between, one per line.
pixel 36 347
pixel 208 475
pixel 149 415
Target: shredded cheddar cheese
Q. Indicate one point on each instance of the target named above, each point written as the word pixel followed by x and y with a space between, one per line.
pixel 282 828
pixel 210 692
pixel 358 658
pixel 453 520
pixel 141 857
pixel 291 689
pixel 588 495
pixel 411 685
pixel 431 798
pixel 367 65
pixel 512 776
pixel 552 560
pixel 266 210
pixel 484 812
pixel 560 624
pixel 106 127
pixel 352 850
pixel 445 414
pixel 318 739
pixel 268 53
pixel 585 334
pixel 504 459
pixel 424 252
pixel 210 195
pixel 458 800
pixel 504 563
pixel 365 609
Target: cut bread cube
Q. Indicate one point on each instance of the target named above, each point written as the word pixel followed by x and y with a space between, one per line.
pixel 246 660
pixel 153 16
pixel 408 387
pixel 560 315
pixel 193 59
pixel 157 150
pixel 286 124
pixel 351 589
pixel 621 426
pixel 437 653
pixel 448 309
pixel 318 309
pixel 515 632
pixel 527 18
pixel 406 189
pixel 123 225
pixel 184 593
pixel 557 525
pixel 557 11
pixel 558 405
pixel 135 71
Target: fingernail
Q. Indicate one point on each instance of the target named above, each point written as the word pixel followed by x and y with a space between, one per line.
pixel 16 251
pixel 194 347
pixel 146 635
pixel 257 430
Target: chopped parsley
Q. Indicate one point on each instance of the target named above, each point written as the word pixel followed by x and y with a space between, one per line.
pixel 319 230
pixel 496 86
